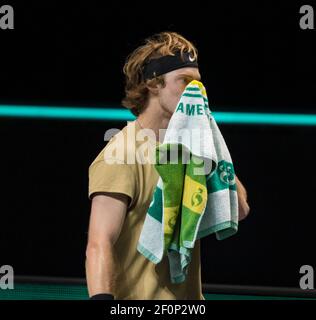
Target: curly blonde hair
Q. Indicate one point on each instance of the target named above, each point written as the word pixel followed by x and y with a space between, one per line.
pixel 158 45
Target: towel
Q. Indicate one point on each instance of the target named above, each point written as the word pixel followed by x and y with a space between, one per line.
pixel 196 193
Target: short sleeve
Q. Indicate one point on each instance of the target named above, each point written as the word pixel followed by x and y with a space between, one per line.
pixel 112 177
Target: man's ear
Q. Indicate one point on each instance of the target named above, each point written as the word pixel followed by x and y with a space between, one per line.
pixel 153 86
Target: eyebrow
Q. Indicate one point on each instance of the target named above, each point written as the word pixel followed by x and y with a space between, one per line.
pixel 190 76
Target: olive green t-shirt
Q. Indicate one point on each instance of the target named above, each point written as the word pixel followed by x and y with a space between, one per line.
pixel 111 171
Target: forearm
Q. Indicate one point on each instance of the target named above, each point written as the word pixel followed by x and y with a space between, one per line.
pixel 100 269
pixel 243 206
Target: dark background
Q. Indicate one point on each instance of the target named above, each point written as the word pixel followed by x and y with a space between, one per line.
pixel 252 58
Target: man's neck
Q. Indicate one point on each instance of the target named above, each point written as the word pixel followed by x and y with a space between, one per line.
pixel 154 118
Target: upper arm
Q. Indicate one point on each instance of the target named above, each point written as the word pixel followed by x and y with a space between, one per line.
pixel 107 216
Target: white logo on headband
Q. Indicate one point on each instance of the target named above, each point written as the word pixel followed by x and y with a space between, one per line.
pixel 191 58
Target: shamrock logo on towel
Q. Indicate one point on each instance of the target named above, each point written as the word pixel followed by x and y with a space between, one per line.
pixel 227 174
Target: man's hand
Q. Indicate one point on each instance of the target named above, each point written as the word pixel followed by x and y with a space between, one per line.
pixel 243 207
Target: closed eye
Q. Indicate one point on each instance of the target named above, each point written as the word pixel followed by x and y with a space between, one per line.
pixel 187 80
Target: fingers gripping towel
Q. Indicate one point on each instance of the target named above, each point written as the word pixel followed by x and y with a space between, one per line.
pixel 196 193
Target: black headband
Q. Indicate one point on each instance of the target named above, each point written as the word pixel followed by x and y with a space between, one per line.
pixel 162 65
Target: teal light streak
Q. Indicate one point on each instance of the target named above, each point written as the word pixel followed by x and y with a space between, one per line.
pixel 119 114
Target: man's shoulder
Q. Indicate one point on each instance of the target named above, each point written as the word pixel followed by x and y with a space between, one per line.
pixel 120 145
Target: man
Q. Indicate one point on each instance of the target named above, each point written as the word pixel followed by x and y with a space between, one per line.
pixel 156 75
